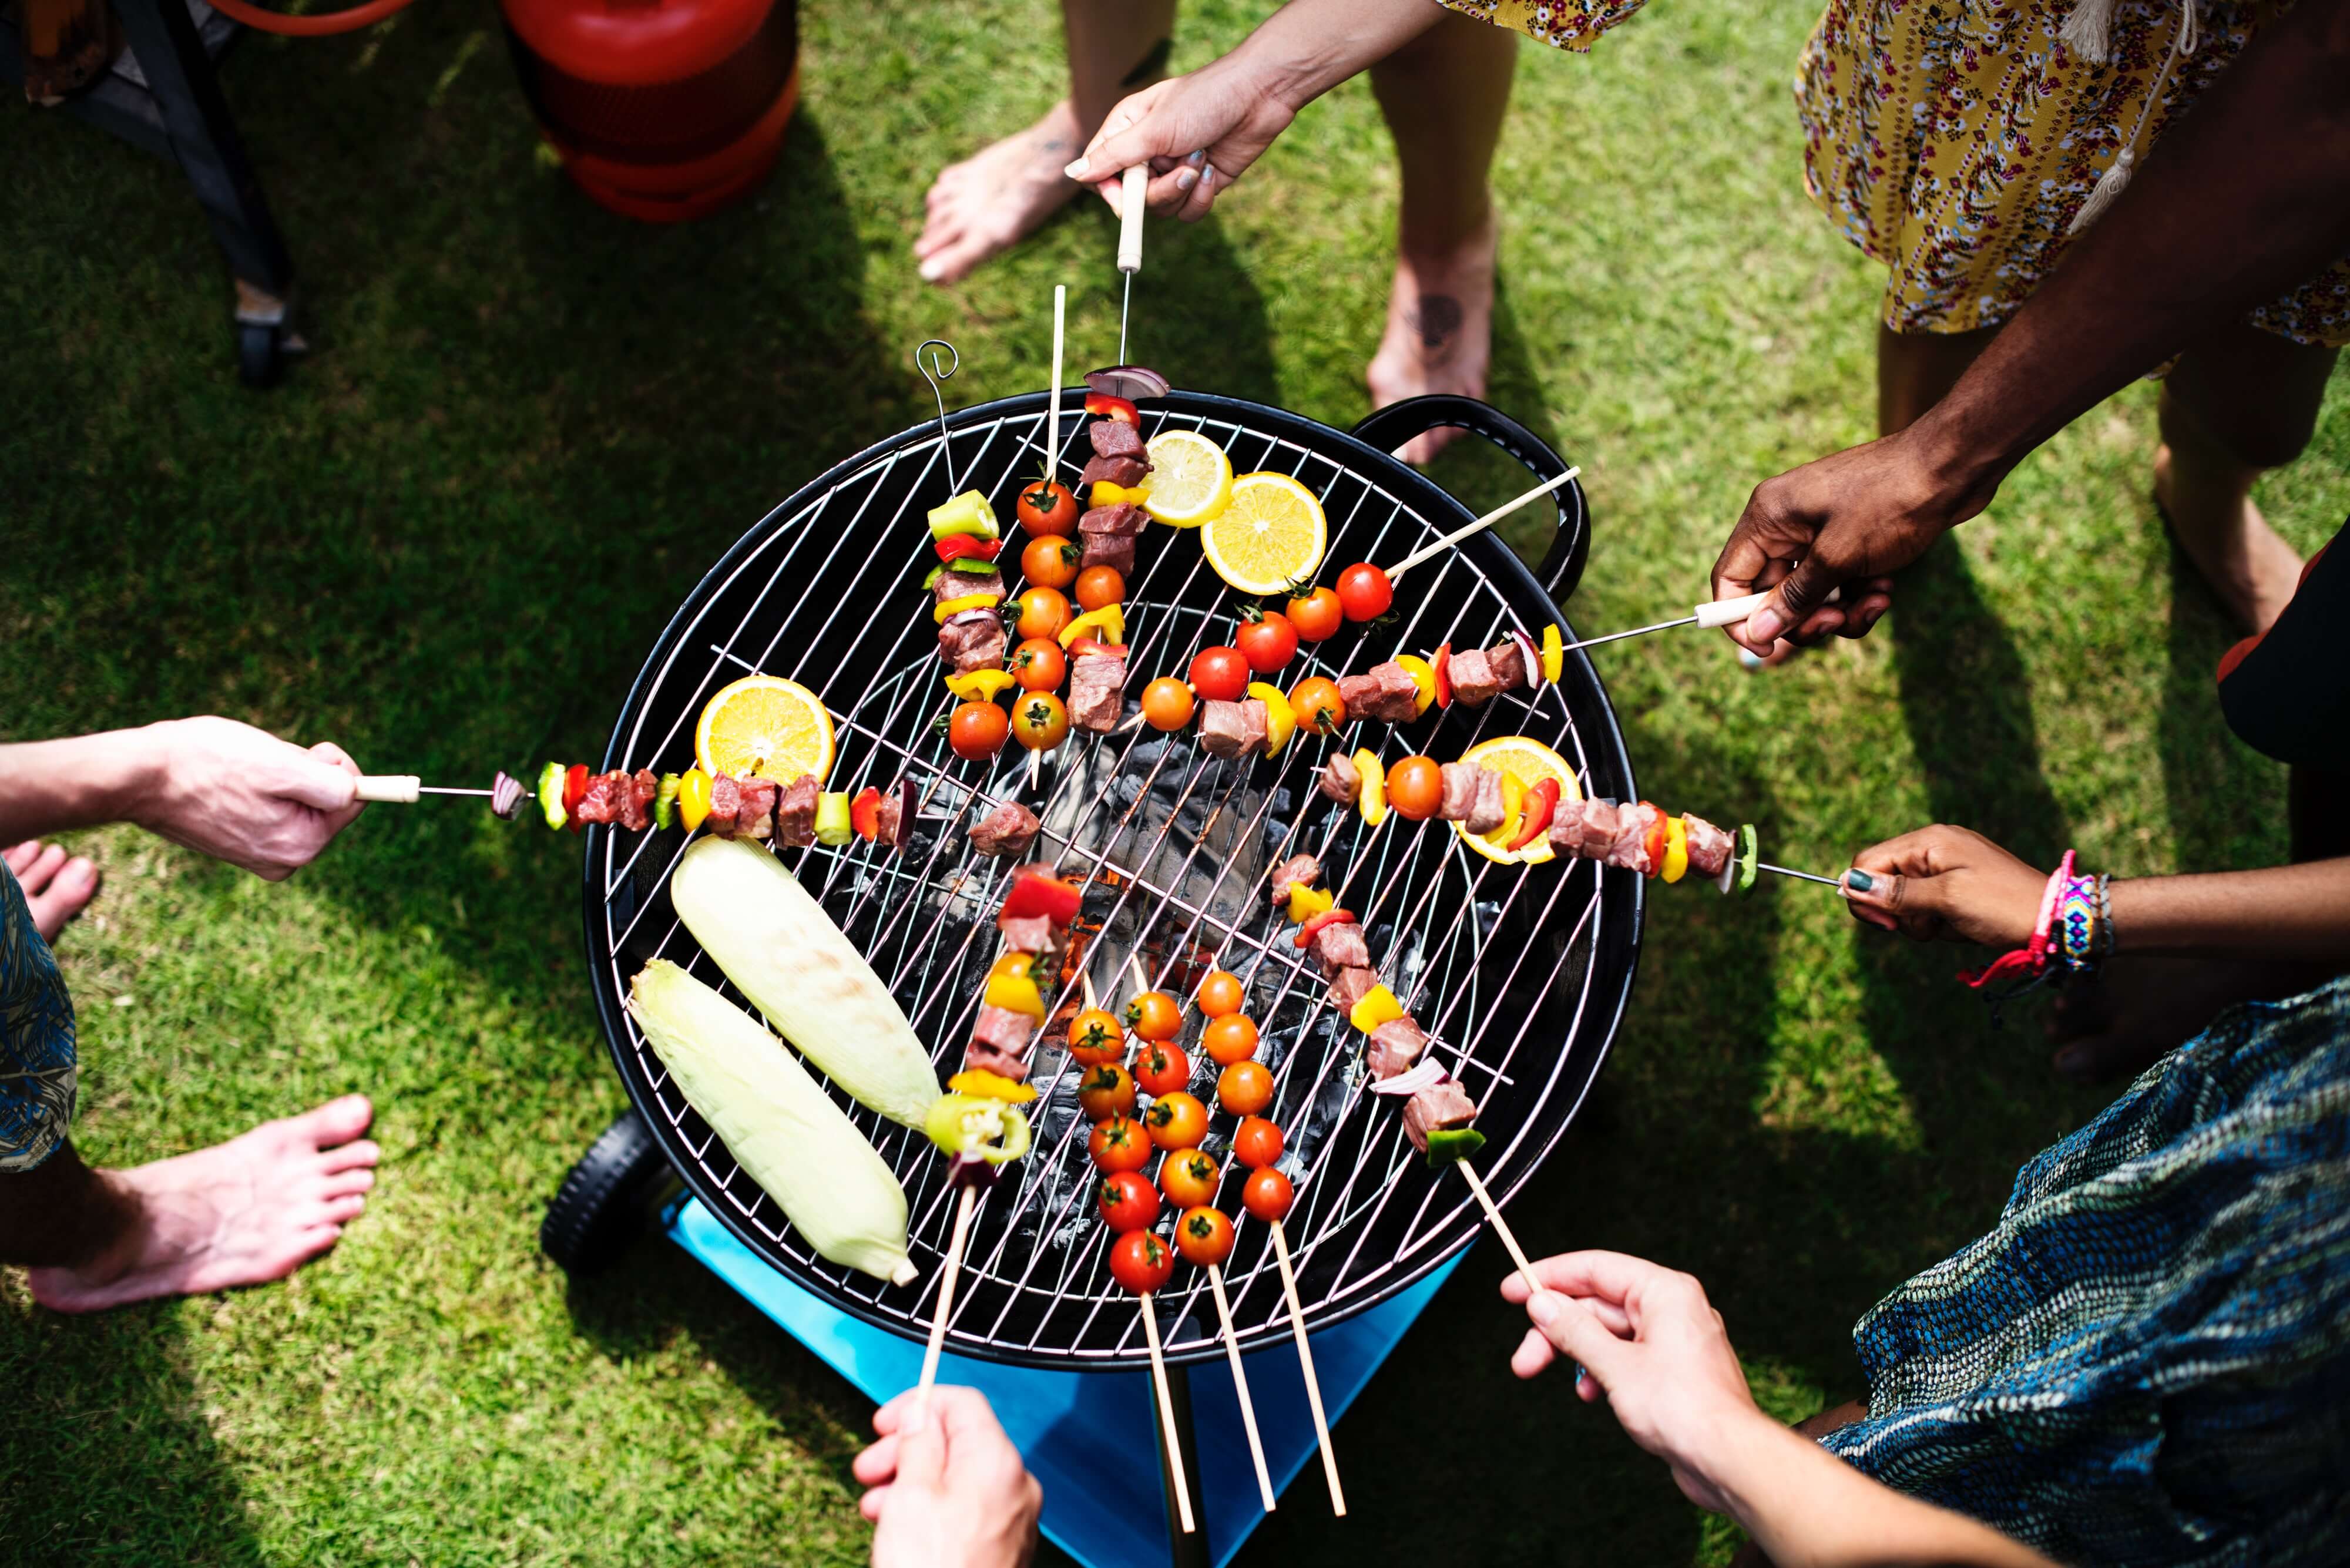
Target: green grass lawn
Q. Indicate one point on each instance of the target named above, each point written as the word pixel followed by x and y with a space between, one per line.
pixel 529 425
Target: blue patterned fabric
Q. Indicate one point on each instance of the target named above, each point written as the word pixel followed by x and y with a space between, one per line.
pixel 36 1038
pixel 2148 1360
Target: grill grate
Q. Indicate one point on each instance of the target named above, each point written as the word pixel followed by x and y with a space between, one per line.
pixel 1518 975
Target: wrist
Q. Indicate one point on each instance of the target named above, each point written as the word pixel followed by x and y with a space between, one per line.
pixel 1309 46
pixel 1739 1448
pixel 134 773
pixel 1961 463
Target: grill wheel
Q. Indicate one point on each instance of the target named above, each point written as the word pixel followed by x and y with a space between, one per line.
pixel 604 1199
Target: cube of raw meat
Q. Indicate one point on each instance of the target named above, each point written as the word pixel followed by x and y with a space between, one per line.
pixel 972 640
pixel 1349 986
pixel 1298 871
pixel 1008 830
pixel 1097 691
pixel 1124 519
pixel 1396 1046
pixel 599 804
pixel 1439 1106
pixel 1126 472
pixel 1339 946
pixel 1630 849
pixel 1487 811
pixel 954 585
pixel 756 819
pixel 1386 692
pixel 1027 933
pixel 725 806
pixel 1003 1030
pixel 1509 664
pixel 637 802
pixel 1234 729
pixel 1341 781
pixel 795 813
pixel 1710 848
pixel 1460 791
pixel 1115 551
pixel 1473 678
pixel 1114 438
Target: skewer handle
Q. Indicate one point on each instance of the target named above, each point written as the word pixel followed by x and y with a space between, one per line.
pixel 1730 612
pixel 1305 1360
pixel 1487 520
pixel 1129 218
pixel 1166 1418
pixel 1240 1386
pixel 963 1206
pixel 1053 416
pixel 393 789
pixel 1502 1227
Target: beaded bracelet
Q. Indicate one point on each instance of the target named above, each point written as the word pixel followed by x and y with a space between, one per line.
pixel 2075 928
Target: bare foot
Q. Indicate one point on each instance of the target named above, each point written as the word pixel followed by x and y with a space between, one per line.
pixel 1439 335
pixel 57 889
pixel 995 198
pixel 2245 561
pixel 252 1210
pixel 2140 1008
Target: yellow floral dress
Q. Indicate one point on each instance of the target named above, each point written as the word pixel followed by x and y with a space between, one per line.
pixel 1956 140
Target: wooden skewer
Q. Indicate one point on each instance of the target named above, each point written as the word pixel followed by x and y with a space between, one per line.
pixel 1502 1227
pixel 1305 1360
pixel 1487 520
pixel 1240 1386
pixel 1166 1418
pixel 1053 408
pixel 963 1207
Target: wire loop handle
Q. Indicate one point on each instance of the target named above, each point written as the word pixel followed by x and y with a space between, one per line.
pixel 937 376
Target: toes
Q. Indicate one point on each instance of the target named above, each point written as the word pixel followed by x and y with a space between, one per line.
pixel 336 1122
pixel 356 1155
pixel 65 895
pixel 339 1211
pixel 48 860
pixel 342 1183
pixel 19 855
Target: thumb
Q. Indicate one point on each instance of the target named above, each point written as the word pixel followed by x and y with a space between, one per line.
pixel 1131 135
pixel 1801 592
pixel 1890 901
pixel 315 781
pixel 1577 1332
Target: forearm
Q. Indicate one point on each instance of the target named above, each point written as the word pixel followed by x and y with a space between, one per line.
pixel 1309 46
pixel 2294 912
pixel 51 787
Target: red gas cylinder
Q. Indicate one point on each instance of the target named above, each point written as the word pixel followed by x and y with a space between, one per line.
pixel 663 109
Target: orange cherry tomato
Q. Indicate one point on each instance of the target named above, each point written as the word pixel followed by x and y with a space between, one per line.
pixel 1099 585
pixel 978 730
pixel 1047 507
pixel 1096 1037
pixel 1049 563
pixel 1120 1143
pixel 1244 1088
pixel 1220 674
pixel 1257 1144
pixel 1221 994
pixel 1043 612
pixel 1229 1039
pixel 1317 615
pixel 1155 1015
pixel 1126 1201
pixel 1161 1069
pixel 1177 1121
pixel 1416 787
pixel 1189 1179
pixel 1141 1263
pixel 1363 592
pixel 1105 1091
pixel 1267 1195
pixel 1204 1237
pixel 1319 708
pixel 1040 721
pixel 1167 703
pixel 1039 665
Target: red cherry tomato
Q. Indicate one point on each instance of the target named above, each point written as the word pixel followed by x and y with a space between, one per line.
pixel 978 730
pixel 1363 592
pixel 1105 1091
pixel 1040 721
pixel 1039 664
pixel 1221 994
pixel 1155 1015
pixel 1121 1143
pixel 1161 1069
pixel 1048 508
pixel 1167 703
pixel 1220 674
pixel 1319 708
pixel 1317 615
pixel 1049 562
pixel 1416 787
pixel 1257 1144
pixel 1140 1261
pixel 1096 1037
pixel 1267 1195
pixel 1189 1179
pixel 1229 1039
pixel 1204 1237
pixel 1043 612
pixel 1268 642
pixel 1177 1121
pixel 1244 1088
pixel 1126 1201
pixel 1099 585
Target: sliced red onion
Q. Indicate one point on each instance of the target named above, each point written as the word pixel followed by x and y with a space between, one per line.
pixel 905 814
pixel 1729 877
pixel 1531 656
pixel 505 795
pixel 1426 1075
pixel 1132 382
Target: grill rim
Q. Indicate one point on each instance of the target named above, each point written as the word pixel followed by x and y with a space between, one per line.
pixel 1619 942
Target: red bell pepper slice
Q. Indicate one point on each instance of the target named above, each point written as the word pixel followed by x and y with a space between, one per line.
pixel 956 546
pixel 1441 662
pixel 1102 406
pixel 1652 848
pixel 865 813
pixel 574 789
pixel 1034 893
pixel 1541 802
pixel 1326 918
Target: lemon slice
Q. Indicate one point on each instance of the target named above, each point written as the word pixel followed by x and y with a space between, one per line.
pixel 1529 762
pixel 1269 538
pixel 1191 479
pixel 767 726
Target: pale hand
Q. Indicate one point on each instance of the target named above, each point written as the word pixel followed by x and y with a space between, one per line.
pixel 1949 884
pixel 1226 114
pixel 949 1492
pixel 242 796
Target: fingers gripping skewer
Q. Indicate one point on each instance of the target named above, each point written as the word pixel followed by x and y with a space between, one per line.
pixel 1306 1361
pixel 968 1201
pixel 1167 1434
pixel 1719 613
pixel 1240 1386
pixel 1129 243
pixel 1501 1226
pixel 1487 520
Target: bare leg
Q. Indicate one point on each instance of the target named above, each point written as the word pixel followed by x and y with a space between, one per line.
pixel 995 198
pixel 2239 403
pixel 1444 95
pixel 252 1210
pixel 57 888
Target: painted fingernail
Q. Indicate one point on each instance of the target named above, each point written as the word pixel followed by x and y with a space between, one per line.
pixel 1749 659
pixel 1075 170
pixel 1186 178
pixel 1859 881
pixel 1582 1372
pixel 1543 1309
pixel 1197 158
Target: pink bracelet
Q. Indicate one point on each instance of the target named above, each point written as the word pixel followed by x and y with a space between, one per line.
pixel 2030 960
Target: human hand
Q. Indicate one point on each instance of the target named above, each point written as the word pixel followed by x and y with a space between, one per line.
pixel 1948 883
pixel 1646 1340
pixel 1198 134
pixel 242 796
pixel 947 1490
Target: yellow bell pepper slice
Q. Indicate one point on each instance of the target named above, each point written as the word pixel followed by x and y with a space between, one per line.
pixel 694 799
pixel 1553 652
pixel 1014 993
pixel 1513 812
pixel 1423 675
pixel 1105 494
pixel 1372 802
pixel 1019 965
pixel 1280 718
pixel 982 685
pixel 1304 903
pixel 980 1084
pixel 1676 866
pixel 949 608
pixel 1378 1006
pixel 1108 623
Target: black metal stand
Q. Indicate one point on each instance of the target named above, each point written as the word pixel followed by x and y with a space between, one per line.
pixel 164 95
pixel 1183 1550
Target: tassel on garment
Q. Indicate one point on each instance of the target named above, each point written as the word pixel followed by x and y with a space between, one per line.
pixel 2088 31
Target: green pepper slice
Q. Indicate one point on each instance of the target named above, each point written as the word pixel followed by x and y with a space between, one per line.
pixel 968 516
pixel 550 795
pixel 832 822
pixel 966 1123
pixel 971 565
pixel 1447 1145
pixel 1749 852
pixel 665 799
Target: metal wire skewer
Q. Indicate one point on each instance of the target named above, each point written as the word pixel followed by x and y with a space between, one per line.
pixel 1719 613
pixel 1836 882
pixel 936 378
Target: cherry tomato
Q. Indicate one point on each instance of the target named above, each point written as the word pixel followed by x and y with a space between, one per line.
pixel 1267 1195
pixel 1268 642
pixel 1221 994
pixel 1167 703
pixel 1189 1179
pixel 1204 1237
pixel 1317 705
pixel 1220 674
pixel 977 730
pixel 1363 592
pixel 1105 1091
pixel 1047 508
pixel 1161 1069
pixel 1121 1143
pixel 1140 1261
pixel 1099 586
pixel 1317 615
pixel 1257 1144
pixel 1229 1039
pixel 1096 1036
pixel 1049 563
pixel 1126 1201
pixel 1040 721
pixel 1039 664
pixel 1177 1121
pixel 1244 1088
pixel 1155 1015
pixel 1416 787
pixel 1043 612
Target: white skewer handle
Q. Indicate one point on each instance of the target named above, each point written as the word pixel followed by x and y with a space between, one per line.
pixel 1129 218
pixel 1053 419
pixel 394 789
pixel 1730 612
pixel 1487 520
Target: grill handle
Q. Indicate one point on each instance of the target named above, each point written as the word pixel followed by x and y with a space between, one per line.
pixel 1562 565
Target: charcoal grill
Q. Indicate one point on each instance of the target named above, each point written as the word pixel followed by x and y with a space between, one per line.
pixel 1519 975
